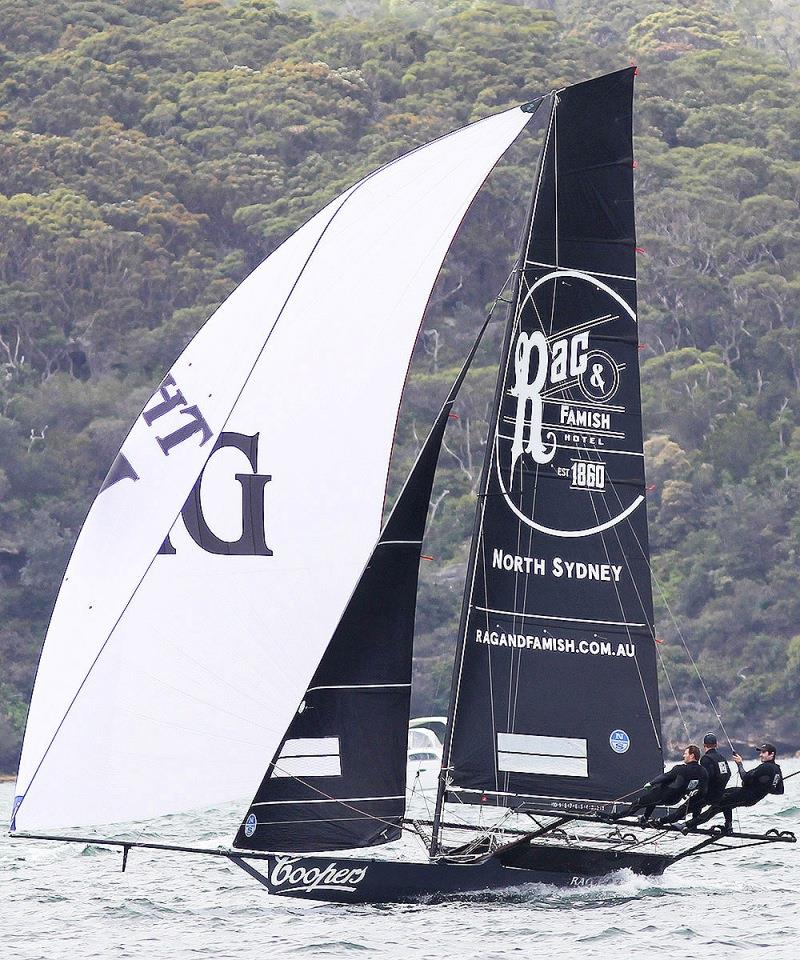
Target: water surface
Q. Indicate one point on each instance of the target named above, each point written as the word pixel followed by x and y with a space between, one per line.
pixel 72 901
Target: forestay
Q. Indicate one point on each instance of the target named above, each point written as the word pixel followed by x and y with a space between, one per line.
pixel 215 563
pixel 555 685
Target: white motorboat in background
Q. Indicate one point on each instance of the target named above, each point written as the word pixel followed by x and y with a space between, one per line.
pixel 425 740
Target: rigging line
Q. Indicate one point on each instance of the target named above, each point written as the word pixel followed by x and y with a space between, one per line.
pixel 646 614
pixel 514 679
pixel 326 796
pixel 639 597
pixel 491 682
pixel 663 666
pixel 422 792
pixel 182 726
pixel 516 575
pixel 528 582
pixel 503 392
pixel 165 640
pixel 206 703
pixel 661 660
pixel 691 658
pixel 527 244
pixel 519 651
pixel 556 102
pixel 675 623
pixel 583 325
pixel 656 732
pixel 514 623
pixel 454 694
pixel 586 270
pixel 513 691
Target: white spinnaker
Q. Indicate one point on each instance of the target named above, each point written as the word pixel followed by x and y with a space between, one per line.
pixel 166 682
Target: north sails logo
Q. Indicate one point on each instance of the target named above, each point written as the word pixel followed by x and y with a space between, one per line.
pixel 289 876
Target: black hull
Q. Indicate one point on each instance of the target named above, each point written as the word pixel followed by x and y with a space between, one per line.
pixel 351 880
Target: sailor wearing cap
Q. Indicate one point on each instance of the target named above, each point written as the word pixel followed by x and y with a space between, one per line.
pixel 766 778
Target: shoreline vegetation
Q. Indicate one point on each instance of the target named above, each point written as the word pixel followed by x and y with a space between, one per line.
pixel 152 153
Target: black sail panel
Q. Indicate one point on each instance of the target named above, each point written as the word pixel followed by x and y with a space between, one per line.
pixel 338 779
pixel 555 690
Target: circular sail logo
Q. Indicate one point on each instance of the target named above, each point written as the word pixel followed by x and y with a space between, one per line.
pixel 619 741
pixel 600 380
pixel 569 426
pixel 250 825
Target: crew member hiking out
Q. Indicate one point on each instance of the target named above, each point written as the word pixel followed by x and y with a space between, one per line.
pixel 766 778
pixel 670 787
pixel 719 773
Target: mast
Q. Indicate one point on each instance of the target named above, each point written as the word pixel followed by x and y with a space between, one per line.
pixel 532 107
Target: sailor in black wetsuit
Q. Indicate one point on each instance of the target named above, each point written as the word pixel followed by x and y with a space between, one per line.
pixel 766 778
pixel 719 773
pixel 670 787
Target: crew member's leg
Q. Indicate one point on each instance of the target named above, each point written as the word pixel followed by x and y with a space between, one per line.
pixel 647 799
pixel 696 808
pixel 731 798
pixel 692 807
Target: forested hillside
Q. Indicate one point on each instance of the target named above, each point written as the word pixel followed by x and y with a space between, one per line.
pixel 152 152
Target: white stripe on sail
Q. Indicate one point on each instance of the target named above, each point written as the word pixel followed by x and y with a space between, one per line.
pixel 542 766
pixel 546 755
pixel 308 767
pixel 310 746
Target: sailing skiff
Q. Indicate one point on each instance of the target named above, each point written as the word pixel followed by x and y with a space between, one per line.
pixel 235 620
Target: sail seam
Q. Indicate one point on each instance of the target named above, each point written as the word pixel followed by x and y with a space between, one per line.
pixel 270 803
pixel 541 616
pixel 592 273
pixel 357 686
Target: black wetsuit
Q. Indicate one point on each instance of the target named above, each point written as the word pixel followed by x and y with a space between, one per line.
pixel 696 790
pixel 718 772
pixel 766 778
pixel 667 788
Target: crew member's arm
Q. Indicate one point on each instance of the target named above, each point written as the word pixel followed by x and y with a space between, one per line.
pixel 742 772
pixel 675 778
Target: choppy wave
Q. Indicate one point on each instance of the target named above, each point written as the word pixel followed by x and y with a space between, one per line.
pixel 62 902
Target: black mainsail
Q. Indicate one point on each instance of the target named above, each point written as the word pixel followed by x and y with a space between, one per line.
pixel 555 692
